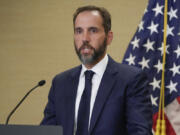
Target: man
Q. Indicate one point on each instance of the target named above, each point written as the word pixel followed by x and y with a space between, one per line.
pixel 119 101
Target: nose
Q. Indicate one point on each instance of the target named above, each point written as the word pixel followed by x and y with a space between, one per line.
pixel 86 37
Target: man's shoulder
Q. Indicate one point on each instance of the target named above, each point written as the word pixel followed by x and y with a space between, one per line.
pixel 126 72
pixel 123 68
pixel 68 73
pixel 127 68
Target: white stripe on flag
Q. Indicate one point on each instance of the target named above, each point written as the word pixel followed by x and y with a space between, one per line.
pixel 172 111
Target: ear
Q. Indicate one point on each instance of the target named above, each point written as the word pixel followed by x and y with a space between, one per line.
pixel 109 37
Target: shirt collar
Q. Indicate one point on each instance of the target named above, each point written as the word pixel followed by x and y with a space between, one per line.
pixel 99 68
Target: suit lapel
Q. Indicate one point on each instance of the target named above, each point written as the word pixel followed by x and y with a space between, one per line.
pixel 72 91
pixel 104 91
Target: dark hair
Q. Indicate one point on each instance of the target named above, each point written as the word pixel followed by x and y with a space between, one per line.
pixel 102 11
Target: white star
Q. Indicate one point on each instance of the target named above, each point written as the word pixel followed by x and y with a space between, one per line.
pixel 155 84
pixel 175 69
pixel 158 10
pixel 172 87
pixel 162 49
pixel 154 100
pixel 135 43
pixel 159 66
pixel 141 26
pixel 177 51
pixel 153 27
pixel 172 13
pixel 174 0
pixel 169 31
pixel 144 63
pixel 130 60
pixel 149 45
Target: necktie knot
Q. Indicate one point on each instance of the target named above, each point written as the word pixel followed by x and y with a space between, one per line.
pixel 89 74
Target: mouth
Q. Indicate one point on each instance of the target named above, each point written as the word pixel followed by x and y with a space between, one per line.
pixel 86 50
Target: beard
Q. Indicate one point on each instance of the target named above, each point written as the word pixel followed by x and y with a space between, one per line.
pixel 90 59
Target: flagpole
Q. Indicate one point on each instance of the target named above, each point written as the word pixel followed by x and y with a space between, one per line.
pixel 161 123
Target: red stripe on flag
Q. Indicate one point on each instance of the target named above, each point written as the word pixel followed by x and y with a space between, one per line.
pixel 178 99
pixel 155 116
pixel 169 128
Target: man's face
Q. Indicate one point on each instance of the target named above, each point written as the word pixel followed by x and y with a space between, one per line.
pixel 90 39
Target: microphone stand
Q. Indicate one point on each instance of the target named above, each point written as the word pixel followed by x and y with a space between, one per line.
pixel 42 82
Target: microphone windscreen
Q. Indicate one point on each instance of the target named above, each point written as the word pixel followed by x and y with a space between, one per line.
pixel 42 82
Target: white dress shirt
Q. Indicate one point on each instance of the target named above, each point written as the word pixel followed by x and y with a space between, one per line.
pixel 98 70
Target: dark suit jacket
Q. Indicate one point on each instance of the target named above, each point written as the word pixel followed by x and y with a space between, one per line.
pixel 122 105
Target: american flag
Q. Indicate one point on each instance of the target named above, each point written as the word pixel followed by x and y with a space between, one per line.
pixel 146 51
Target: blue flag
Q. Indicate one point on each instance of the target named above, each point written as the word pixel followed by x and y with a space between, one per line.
pixel 146 52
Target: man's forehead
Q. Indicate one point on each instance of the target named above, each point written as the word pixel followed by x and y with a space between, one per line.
pixel 94 13
pixel 89 19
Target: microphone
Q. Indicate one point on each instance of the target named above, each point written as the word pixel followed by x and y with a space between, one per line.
pixel 41 83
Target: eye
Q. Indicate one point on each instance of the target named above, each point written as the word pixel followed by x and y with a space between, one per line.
pixel 78 30
pixel 93 30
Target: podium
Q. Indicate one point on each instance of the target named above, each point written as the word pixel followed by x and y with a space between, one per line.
pixel 30 130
